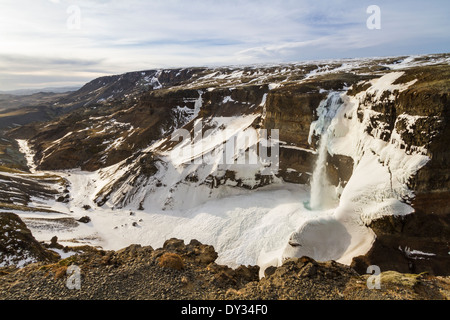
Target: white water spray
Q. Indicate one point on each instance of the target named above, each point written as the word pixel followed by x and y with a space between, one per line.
pixel 322 193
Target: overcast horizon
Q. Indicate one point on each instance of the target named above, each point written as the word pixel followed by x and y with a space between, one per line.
pixel 60 43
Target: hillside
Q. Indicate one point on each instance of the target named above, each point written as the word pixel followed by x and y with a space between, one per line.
pixel 142 273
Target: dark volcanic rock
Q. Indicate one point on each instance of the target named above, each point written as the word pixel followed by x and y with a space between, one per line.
pixel 426 230
pixel 141 273
pixel 195 251
pixel 18 247
pixel 84 219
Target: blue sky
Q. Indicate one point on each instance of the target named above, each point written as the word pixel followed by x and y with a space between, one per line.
pixel 69 42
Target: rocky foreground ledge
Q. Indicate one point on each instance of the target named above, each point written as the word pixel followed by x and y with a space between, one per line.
pixel 180 271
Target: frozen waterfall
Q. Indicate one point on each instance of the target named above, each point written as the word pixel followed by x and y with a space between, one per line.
pixel 322 193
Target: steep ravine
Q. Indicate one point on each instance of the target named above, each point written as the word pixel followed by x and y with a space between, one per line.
pixel 394 122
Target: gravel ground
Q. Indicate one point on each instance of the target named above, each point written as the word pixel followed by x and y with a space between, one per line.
pixel 136 273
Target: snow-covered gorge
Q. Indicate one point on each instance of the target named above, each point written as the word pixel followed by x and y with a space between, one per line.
pixel 377 187
pixel 329 123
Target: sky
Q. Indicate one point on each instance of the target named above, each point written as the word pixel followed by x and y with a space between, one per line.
pixel 56 43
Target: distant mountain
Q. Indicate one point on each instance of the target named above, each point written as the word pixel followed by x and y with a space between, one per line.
pixel 26 92
pixel 21 107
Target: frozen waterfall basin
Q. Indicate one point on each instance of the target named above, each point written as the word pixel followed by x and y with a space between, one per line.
pixel 260 227
pixel 330 238
pixel 246 227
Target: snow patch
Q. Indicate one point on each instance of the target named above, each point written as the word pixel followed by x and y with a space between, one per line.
pixel 29 154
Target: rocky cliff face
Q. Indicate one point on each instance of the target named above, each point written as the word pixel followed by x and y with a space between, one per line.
pixel 391 133
pixel 18 247
pixel 403 242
